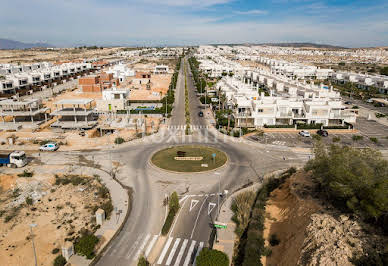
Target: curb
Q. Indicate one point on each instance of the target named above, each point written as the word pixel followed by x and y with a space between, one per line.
pixel 176 172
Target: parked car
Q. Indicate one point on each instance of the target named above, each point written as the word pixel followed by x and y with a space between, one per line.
pixel 200 114
pixel 52 146
pixel 348 102
pixel 304 133
pixel 323 133
pixel 369 101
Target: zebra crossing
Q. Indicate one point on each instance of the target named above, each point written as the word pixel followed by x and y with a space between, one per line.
pixel 183 127
pixel 176 251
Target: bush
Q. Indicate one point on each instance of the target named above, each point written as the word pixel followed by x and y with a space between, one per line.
pixel 373 139
pixel 357 137
pixel 85 245
pixel 274 240
pixel 26 174
pixel 211 257
pixel 241 207
pixel 55 251
pixel 60 261
pixel 173 206
pixel 29 201
pixel 143 262
pixel 317 137
pixel 353 180
pixel 309 126
pixel 336 139
pixel 119 140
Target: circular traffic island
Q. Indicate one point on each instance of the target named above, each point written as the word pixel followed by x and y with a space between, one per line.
pixel 189 158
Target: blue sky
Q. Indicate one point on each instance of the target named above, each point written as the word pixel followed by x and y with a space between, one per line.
pixel 190 22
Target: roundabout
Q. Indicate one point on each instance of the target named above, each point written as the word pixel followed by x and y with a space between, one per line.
pixel 189 158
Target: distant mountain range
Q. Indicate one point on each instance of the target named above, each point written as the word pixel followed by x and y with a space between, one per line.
pixel 6 44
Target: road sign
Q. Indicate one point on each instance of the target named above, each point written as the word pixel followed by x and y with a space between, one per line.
pixel 214 155
pixel 220 225
pixel 211 207
pixel 193 204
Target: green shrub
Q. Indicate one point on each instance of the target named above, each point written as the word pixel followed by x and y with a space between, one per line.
pixel 174 202
pixel 119 140
pixel 373 139
pixel 29 201
pixel 357 137
pixel 26 173
pixel 143 262
pixel 55 251
pixel 167 224
pixel 173 206
pixel 241 207
pixel 211 257
pixel 274 240
pixel 336 139
pixel 59 261
pixel 352 179
pixel 85 245
pixel 316 137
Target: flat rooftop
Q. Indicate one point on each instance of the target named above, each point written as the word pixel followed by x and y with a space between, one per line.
pixel 19 102
pixel 74 101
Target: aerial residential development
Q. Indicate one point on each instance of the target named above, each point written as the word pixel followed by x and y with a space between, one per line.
pixel 207 133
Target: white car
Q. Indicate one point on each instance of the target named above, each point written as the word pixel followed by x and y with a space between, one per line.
pixel 304 133
pixel 49 147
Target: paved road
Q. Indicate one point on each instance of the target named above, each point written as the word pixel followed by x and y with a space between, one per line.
pixel 178 113
pixel 198 192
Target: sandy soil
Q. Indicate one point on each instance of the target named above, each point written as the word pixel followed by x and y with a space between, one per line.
pixel 60 212
pixel 34 55
pixel 287 216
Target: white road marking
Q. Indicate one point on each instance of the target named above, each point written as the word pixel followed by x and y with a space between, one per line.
pixel 193 204
pixel 196 220
pixel 164 251
pixel 182 199
pixel 181 251
pixel 210 207
pixel 142 246
pixel 200 247
pixel 151 245
pixel 188 256
pixel 172 253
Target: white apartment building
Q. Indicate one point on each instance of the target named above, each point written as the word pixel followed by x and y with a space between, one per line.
pixel 121 72
pixel 113 100
pixel 287 103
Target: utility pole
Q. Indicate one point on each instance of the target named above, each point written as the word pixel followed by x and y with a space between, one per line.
pixel 33 245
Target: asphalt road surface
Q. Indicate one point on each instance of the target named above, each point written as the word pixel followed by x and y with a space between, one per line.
pixel 201 194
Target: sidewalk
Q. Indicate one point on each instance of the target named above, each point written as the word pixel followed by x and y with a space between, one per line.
pixel 227 237
pixel 120 200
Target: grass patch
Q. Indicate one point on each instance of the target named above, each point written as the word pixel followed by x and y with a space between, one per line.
pixel 165 158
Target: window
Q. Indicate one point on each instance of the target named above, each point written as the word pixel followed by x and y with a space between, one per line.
pixel 260 110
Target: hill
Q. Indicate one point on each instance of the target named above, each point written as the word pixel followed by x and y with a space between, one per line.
pixel 7 44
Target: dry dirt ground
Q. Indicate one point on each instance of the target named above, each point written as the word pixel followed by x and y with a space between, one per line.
pixel 66 54
pixel 60 212
pixel 310 231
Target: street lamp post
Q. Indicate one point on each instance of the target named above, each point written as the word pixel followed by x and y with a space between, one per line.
pixel 32 240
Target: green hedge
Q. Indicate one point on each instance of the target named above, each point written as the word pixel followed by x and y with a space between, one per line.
pixel 85 245
pixel 212 257
pixel 173 206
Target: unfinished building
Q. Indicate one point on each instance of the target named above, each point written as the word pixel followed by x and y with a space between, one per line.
pixel 16 114
pixel 74 114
